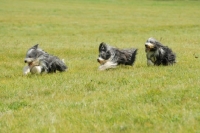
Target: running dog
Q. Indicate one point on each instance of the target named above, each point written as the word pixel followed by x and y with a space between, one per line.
pixel 110 57
pixel 158 54
pixel 40 61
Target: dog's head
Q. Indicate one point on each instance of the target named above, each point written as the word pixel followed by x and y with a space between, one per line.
pixel 152 45
pixel 32 56
pixel 104 53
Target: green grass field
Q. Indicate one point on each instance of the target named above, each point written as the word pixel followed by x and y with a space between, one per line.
pixel 129 99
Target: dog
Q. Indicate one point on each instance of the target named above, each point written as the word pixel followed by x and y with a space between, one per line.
pixel 40 61
pixel 158 54
pixel 110 57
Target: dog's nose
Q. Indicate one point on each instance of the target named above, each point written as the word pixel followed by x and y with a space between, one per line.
pixel 25 61
pixel 97 60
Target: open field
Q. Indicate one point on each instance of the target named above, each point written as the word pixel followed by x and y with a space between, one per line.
pixel 126 99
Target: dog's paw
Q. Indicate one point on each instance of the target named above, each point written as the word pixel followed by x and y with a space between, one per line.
pixel 150 63
pixel 26 70
pixel 101 68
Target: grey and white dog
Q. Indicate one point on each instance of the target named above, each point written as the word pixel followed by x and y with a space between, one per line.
pixel 110 57
pixel 39 61
pixel 158 54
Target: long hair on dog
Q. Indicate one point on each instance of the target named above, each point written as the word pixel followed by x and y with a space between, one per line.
pixel 158 54
pixel 110 57
pixel 40 61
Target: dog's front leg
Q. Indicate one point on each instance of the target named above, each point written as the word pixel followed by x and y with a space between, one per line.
pixel 107 65
pixel 26 70
pixel 149 62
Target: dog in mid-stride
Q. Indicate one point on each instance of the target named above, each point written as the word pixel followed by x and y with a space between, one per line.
pixel 110 57
pixel 158 54
pixel 40 61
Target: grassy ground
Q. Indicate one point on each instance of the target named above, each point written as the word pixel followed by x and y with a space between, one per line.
pixel 83 99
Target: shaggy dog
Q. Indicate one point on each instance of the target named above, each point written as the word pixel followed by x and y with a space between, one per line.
pixel 157 54
pixel 39 61
pixel 110 57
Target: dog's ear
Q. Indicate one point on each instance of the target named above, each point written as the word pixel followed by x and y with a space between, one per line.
pixel 102 46
pixel 35 47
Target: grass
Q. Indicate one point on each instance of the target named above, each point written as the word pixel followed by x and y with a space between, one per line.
pixel 83 99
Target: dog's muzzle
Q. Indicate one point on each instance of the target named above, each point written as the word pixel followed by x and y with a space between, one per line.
pixel 28 60
pixel 101 61
pixel 148 46
pixel 31 61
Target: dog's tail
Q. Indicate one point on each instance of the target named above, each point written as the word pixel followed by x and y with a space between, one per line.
pixel 130 55
pixel 56 64
pixel 60 65
pixel 133 57
pixel 63 60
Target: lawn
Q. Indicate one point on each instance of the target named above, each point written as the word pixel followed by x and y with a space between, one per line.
pixel 129 99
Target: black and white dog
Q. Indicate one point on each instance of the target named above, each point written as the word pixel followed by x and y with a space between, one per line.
pixel 39 61
pixel 157 54
pixel 110 57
